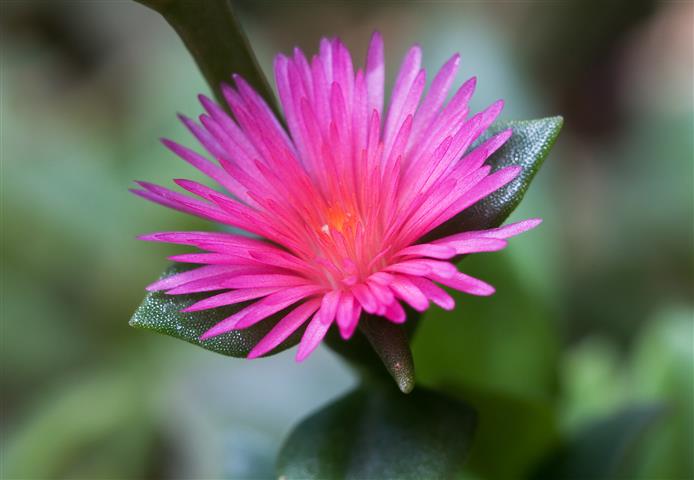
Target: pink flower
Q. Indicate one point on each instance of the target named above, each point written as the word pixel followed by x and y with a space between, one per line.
pixel 339 204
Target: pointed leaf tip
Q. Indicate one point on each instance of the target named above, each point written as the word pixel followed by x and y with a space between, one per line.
pixel 527 148
pixel 391 344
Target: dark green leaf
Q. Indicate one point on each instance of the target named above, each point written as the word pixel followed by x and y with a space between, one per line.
pixel 602 450
pixel 380 433
pixel 214 37
pixel 528 147
pixel 160 313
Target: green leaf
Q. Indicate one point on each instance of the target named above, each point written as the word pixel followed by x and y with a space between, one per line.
pixel 528 147
pixel 604 449
pixel 380 433
pixel 212 34
pixel 392 344
pixel 161 313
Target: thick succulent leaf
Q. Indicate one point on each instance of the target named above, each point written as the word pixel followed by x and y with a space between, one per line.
pixel 528 147
pixel 376 344
pixel 161 313
pixel 380 433
pixel 216 41
pixel 603 450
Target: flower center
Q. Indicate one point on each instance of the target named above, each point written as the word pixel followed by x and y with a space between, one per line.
pixel 338 219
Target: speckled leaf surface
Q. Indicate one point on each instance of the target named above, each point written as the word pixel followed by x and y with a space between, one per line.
pixel 528 147
pixel 161 313
pixel 380 433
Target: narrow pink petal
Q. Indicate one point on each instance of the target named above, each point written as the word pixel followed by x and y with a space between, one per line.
pixel 356 314
pixel 382 293
pixel 314 334
pixel 230 298
pixel 189 276
pixel 465 283
pixel 228 133
pixel 473 244
pixel 437 94
pixel 428 250
pixel 271 125
pixel 395 313
pixel 284 328
pixel 409 292
pixel 183 203
pixel 244 277
pixel 409 70
pixel 481 189
pixel 147 195
pixel 447 121
pixel 290 108
pixel 409 268
pixel 329 306
pixel 260 310
pixel 326 56
pixel 420 267
pixel 512 229
pixel 345 314
pixel 364 296
pixel 195 237
pixel 274 303
pixel 480 154
pixel 489 185
pixel 434 293
pixel 343 69
pixel 375 73
pixel 206 258
pixel 382 278
pixel 201 163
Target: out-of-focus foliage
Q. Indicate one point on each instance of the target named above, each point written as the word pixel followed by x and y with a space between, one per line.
pixel 377 432
pixel 593 311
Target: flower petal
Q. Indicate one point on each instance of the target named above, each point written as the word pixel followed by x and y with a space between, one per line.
pixel 284 328
pixel 313 335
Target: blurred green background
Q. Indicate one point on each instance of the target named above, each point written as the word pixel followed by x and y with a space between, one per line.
pixel 593 312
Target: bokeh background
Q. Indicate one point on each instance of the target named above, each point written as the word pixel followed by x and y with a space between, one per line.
pixel 594 310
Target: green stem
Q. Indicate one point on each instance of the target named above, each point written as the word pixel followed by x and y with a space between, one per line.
pixel 215 39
